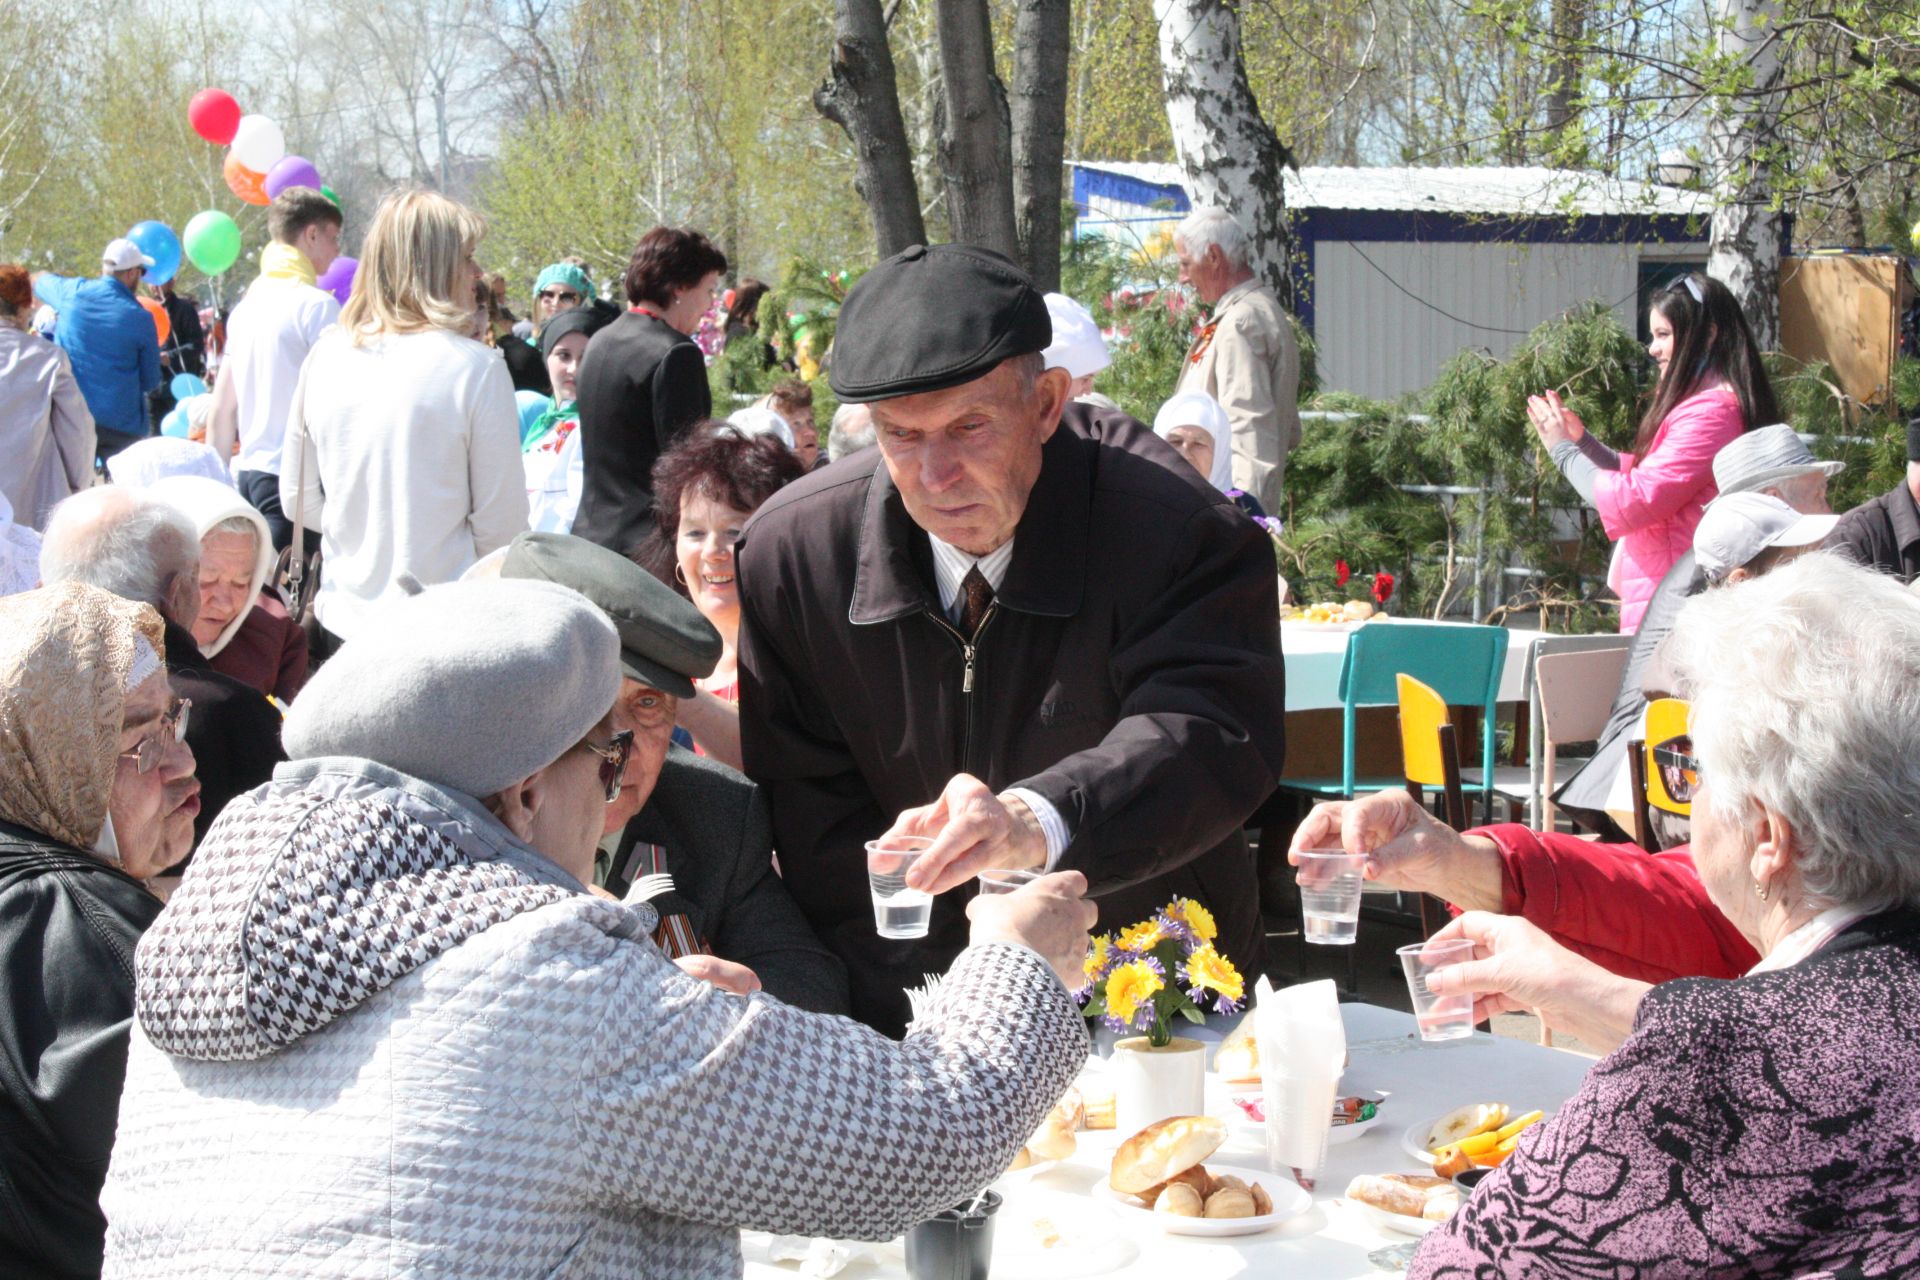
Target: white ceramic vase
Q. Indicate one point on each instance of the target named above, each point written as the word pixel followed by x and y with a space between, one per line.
pixel 1151 1084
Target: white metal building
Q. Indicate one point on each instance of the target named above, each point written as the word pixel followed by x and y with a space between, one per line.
pixel 1403 268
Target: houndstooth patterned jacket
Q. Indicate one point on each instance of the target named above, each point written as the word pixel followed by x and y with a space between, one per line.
pixel 375 1036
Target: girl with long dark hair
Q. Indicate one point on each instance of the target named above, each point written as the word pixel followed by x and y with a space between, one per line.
pixel 1712 387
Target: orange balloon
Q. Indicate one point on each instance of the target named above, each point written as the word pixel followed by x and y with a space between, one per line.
pixel 244 182
pixel 162 324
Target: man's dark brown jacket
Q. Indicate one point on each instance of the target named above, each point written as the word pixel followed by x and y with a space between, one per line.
pixel 1129 672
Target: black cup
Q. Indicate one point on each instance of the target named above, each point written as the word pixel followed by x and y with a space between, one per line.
pixel 1467 1179
pixel 955 1245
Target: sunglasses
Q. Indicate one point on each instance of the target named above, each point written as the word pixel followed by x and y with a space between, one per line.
pixel 1679 768
pixel 613 761
pixel 152 749
pixel 559 295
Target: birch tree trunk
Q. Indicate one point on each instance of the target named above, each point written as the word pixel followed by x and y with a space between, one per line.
pixel 860 96
pixel 1228 153
pixel 1743 251
pixel 1042 40
pixel 976 149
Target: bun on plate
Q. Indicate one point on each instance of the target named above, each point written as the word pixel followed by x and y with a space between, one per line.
pixel 1163 1149
pixel 1413 1195
pixel 1237 1060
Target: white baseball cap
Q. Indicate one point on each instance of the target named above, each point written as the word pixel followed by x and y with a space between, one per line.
pixel 123 255
pixel 1077 345
pixel 1736 527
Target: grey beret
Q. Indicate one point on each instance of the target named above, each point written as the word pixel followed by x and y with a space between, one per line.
pixel 929 318
pixel 471 685
pixel 664 641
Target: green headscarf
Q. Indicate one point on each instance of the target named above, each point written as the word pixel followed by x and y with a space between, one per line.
pixel 568 274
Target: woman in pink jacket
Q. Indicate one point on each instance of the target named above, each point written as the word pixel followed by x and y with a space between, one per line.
pixel 1712 387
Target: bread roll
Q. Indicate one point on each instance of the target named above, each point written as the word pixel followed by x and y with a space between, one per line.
pixel 1357 610
pixel 1181 1199
pixel 1197 1177
pixel 1229 1180
pixel 1441 1204
pixel 1163 1149
pixel 1097 1109
pixel 1072 1109
pixel 1405 1193
pixel 1021 1159
pixel 1237 1060
pixel 1230 1202
pixel 1262 1202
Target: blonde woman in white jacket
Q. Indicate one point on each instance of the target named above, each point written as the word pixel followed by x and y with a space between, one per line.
pixel 408 437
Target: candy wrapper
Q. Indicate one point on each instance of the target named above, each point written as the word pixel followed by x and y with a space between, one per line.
pixel 1303 1045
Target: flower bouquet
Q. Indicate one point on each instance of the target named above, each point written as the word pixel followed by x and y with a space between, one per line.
pixel 1142 978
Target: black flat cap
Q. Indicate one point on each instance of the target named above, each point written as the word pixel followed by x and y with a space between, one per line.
pixel 664 642
pixel 933 317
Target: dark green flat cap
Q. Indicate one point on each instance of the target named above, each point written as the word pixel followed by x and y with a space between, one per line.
pixel 664 642
pixel 933 317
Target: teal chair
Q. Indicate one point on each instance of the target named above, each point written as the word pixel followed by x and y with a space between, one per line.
pixel 1462 663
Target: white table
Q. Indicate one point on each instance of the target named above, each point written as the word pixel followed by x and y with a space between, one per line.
pixel 1332 1239
pixel 1314 656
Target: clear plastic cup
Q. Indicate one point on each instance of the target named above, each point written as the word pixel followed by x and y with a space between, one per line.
pixel 1440 1017
pixel 1002 881
pixel 1330 881
pixel 898 912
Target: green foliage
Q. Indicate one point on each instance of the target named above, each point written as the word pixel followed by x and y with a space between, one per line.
pixel 1870 439
pixel 797 318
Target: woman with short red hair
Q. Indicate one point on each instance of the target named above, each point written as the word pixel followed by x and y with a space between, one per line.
pixel 643 382
pixel 46 432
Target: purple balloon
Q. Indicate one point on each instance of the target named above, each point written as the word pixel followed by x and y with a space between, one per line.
pixel 338 278
pixel 291 171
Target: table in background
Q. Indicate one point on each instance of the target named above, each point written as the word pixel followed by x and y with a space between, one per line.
pixel 1333 1238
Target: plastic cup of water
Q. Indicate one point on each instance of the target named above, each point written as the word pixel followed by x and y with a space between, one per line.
pixel 1004 881
pixel 898 912
pixel 1330 882
pixel 1440 1017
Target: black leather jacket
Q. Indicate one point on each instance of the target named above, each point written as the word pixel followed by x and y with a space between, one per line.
pixel 68 926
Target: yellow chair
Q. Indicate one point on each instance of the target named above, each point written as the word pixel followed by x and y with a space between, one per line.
pixel 1666 719
pixel 1429 748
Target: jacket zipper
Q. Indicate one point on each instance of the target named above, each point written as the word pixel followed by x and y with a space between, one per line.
pixel 967 651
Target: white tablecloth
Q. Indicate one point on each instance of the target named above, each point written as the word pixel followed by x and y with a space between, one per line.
pixel 1314 656
pixel 1329 1241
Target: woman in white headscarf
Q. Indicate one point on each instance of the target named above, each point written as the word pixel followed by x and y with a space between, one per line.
pixel 243 630
pixel 1196 426
pixel 758 420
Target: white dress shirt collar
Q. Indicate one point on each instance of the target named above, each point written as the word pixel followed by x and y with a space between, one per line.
pixel 951 566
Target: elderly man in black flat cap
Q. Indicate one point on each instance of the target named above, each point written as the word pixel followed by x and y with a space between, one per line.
pixel 1035 638
pixel 678 813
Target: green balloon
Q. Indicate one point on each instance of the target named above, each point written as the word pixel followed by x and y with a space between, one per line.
pixel 212 241
pixel 328 193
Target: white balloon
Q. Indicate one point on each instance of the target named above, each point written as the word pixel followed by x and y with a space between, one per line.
pixel 258 143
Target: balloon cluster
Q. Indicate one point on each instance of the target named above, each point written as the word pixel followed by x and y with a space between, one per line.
pixel 257 169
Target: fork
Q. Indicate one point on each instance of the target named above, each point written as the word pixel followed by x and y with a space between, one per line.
pixel 650 886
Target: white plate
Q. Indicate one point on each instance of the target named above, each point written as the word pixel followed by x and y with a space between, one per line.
pixel 1289 1201
pixel 1399 1223
pixel 1247 1127
pixel 1028 1174
pixel 1088 1243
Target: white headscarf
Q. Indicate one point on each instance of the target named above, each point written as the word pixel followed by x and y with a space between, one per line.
pixel 19 553
pixel 757 420
pixel 1198 409
pixel 146 461
pixel 1077 345
pixel 206 503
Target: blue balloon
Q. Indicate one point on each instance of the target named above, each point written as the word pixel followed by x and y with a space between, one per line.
pixel 179 420
pixel 186 384
pixel 157 241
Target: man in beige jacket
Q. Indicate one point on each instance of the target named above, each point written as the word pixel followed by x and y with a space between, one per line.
pixel 1246 356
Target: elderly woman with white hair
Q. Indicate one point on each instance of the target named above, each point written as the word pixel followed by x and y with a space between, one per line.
pixel 1767 1125
pixel 384 1028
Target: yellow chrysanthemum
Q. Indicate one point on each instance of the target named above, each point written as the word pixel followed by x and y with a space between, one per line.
pixel 1208 970
pixel 1097 956
pixel 1143 937
pixel 1196 917
pixel 1130 986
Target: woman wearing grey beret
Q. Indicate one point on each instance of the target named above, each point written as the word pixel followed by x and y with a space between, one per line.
pixel 384 1027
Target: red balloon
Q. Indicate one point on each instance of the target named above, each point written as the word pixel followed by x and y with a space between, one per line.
pixel 214 115
pixel 162 323
pixel 244 182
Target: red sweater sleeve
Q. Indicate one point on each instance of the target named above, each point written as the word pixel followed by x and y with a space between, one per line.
pixel 1641 915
